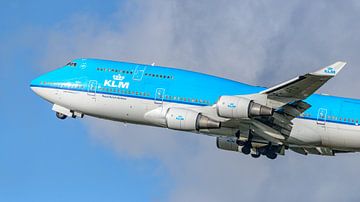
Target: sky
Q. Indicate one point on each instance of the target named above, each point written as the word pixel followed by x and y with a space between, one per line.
pixel 260 42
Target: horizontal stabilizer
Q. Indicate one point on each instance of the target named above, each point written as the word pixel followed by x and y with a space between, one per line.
pixel 303 86
pixel 331 70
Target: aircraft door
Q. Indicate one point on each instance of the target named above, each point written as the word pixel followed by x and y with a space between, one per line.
pixel 139 72
pixel 321 117
pixel 92 87
pixel 159 95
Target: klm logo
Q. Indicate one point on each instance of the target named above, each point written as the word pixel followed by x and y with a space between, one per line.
pixel 231 106
pixel 117 82
pixel 330 70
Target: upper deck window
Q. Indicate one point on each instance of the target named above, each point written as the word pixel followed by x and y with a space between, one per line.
pixel 71 64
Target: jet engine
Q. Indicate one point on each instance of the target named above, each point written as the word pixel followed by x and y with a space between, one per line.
pixel 238 107
pixel 189 120
pixel 227 143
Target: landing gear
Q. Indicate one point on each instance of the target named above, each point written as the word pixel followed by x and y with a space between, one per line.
pixel 61 116
pixel 256 155
pixel 271 152
pixel 246 145
pixel 246 149
pixel 271 155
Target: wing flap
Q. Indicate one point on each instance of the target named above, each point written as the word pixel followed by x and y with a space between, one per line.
pixel 267 132
pixel 313 150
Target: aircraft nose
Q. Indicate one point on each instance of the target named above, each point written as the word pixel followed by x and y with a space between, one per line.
pixel 32 84
pixel 37 84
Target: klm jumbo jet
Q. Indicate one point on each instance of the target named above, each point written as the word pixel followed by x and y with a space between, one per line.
pixel 247 119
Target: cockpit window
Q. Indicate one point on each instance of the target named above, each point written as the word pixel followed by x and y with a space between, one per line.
pixel 71 64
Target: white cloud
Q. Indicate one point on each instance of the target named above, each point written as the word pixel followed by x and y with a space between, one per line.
pixel 259 42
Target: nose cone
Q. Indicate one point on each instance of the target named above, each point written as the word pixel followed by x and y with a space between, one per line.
pixel 44 85
pixel 35 84
pixel 32 84
pixel 39 86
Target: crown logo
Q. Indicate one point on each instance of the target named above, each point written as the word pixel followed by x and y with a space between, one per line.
pixel 118 77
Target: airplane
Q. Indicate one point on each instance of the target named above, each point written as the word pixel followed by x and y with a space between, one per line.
pixel 252 120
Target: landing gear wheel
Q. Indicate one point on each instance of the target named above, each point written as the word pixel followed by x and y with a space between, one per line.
pixel 255 155
pixel 61 116
pixel 271 155
pixel 246 150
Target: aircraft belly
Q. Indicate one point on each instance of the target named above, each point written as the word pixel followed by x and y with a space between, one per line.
pixel 304 133
pixel 332 135
pixel 350 134
pixel 120 108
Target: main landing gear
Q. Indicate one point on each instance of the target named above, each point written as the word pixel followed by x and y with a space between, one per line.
pixel 271 155
pixel 269 151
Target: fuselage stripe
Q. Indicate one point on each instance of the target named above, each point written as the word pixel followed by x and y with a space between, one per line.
pixel 122 95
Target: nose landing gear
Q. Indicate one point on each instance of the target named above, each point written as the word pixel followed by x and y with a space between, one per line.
pixel 60 116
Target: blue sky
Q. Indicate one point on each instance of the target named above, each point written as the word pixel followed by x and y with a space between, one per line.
pixel 42 159
pixel 258 42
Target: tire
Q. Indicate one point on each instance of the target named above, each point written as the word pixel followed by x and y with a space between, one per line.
pixel 60 116
pixel 271 155
pixel 255 155
pixel 246 150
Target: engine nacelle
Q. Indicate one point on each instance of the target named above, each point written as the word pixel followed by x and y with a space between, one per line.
pixel 185 119
pixel 238 107
pixel 228 144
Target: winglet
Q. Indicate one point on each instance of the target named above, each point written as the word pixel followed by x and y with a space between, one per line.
pixel 331 70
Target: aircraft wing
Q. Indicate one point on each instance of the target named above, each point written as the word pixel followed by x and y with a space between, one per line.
pixel 287 98
pixel 303 86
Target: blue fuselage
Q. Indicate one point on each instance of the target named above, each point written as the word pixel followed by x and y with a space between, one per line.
pixel 172 85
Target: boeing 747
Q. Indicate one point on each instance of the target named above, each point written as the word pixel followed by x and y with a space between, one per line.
pixel 248 119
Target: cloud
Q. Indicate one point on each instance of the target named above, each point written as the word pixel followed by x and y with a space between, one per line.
pixel 258 42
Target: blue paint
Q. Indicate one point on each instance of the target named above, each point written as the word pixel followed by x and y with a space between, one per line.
pixel 187 87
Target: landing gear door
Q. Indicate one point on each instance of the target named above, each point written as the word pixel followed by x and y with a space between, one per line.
pixel 92 87
pixel 159 95
pixel 321 117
